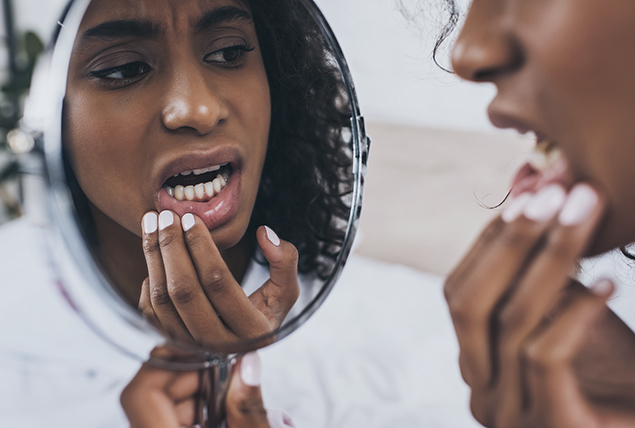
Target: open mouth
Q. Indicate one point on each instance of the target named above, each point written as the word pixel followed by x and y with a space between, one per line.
pixel 199 185
pixel 545 155
pixel 547 164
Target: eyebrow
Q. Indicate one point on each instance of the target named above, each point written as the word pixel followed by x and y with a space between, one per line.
pixel 147 29
pixel 124 28
pixel 222 15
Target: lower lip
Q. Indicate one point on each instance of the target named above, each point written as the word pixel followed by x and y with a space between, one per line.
pixel 528 179
pixel 216 212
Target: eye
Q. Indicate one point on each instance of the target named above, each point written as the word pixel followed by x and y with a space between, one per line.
pixel 125 72
pixel 229 56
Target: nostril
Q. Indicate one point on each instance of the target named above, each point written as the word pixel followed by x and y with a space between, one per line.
pixel 489 74
pixel 485 75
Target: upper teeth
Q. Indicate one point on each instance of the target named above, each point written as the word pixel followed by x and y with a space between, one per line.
pixel 200 171
pixel 544 156
pixel 200 190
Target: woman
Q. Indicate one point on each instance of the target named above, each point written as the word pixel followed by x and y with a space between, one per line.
pixel 181 93
pixel 537 348
pixel 206 120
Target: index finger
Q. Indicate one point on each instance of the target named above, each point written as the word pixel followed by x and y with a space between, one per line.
pixel 223 291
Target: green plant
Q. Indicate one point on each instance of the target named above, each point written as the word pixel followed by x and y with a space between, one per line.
pixel 23 57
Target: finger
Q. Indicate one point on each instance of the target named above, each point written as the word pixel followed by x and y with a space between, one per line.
pixel 474 254
pixel 555 395
pixel 217 282
pixel 245 408
pixel 160 300
pixel 540 288
pixel 473 301
pixel 278 295
pixel 146 404
pixel 183 287
pixel 145 305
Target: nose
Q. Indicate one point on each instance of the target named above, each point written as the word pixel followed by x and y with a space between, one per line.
pixel 192 103
pixel 487 47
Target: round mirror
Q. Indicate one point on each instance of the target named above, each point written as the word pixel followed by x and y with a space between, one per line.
pixel 205 164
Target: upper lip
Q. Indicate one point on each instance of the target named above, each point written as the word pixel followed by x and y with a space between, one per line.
pixel 198 159
pixel 503 119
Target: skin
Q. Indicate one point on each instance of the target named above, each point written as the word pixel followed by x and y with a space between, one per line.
pixel 536 348
pixel 142 106
pixel 163 399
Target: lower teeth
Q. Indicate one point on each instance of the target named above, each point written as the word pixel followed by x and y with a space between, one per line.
pixel 201 191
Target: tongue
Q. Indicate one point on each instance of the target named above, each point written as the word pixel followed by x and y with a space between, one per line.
pixel 529 179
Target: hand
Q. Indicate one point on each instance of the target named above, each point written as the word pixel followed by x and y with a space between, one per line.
pixel 191 294
pixel 537 350
pixel 164 399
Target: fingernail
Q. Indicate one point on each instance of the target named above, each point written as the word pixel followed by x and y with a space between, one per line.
pixel 250 369
pixel 516 207
pixel 271 235
pixel 546 203
pixel 166 218
pixel 187 222
pixel 150 223
pixel 602 288
pixel 580 204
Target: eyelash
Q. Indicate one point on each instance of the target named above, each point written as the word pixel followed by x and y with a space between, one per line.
pixel 119 82
pixel 242 50
pixel 102 75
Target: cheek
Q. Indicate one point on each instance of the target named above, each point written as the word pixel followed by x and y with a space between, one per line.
pixel 105 158
pixel 255 116
pixel 587 97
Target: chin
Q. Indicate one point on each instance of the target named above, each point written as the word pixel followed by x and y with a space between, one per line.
pixel 229 235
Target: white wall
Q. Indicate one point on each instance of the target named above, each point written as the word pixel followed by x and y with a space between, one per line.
pixel 390 59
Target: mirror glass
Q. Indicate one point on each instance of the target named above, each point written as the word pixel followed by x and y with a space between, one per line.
pixel 205 165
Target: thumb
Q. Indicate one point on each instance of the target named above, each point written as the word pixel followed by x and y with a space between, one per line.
pixel 278 295
pixel 244 406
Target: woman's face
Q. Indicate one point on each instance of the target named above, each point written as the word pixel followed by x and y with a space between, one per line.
pixel 168 107
pixel 564 70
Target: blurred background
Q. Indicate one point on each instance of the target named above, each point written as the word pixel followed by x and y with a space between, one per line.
pixel 435 160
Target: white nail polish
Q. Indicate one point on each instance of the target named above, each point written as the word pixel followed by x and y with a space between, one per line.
pixel 250 369
pixel 516 207
pixel 271 235
pixel 602 287
pixel 166 218
pixel 579 206
pixel 187 222
pixel 150 223
pixel 546 203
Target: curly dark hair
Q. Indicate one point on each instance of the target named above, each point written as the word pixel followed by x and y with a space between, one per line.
pixel 420 10
pixel 307 179
pixel 307 176
pixel 452 10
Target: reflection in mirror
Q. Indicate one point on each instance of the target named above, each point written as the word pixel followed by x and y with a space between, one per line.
pixel 209 152
pixel 205 164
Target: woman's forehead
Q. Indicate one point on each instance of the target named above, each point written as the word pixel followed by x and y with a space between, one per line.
pixel 162 13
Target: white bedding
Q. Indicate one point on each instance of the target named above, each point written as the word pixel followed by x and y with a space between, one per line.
pixel 379 353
